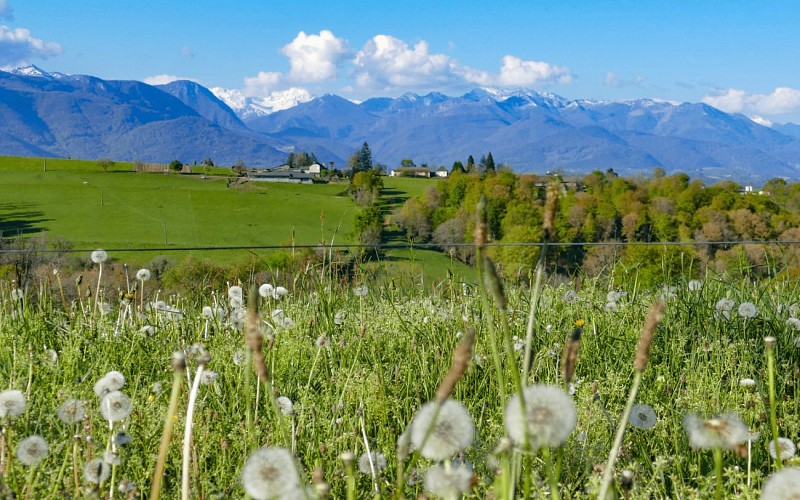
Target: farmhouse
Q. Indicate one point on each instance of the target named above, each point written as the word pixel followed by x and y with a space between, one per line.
pixel 286 173
pixel 423 172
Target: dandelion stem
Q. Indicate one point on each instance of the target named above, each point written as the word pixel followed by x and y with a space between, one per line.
pixel 535 293
pixel 187 433
pixel 718 469
pixel 551 472
pixel 773 418
pixel 608 473
pixel 158 474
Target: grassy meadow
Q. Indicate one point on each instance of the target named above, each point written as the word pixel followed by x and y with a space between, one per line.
pixel 76 204
pixel 347 368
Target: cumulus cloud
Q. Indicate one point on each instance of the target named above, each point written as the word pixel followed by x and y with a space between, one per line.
pixel 5 10
pixel 386 62
pixel 18 47
pixel 263 84
pixel 315 58
pixel 782 100
pixel 516 72
pixel 165 79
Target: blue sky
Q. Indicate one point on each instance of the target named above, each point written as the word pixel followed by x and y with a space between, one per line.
pixel 741 56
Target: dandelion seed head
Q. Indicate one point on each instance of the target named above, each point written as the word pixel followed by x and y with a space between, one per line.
pixel 99 256
pixel 32 450
pixel 112 457
pixel 323 342
pixel 143 274
pixel 786 448
pixel 724 432
pixel 725 304
pixel 105 308
pixel 279 292
pixel 449 482
pixel 782 485
pixel 12 404
pixel 615 296
pixel 285 405
pixel 239 357
pixel 611 307
pixel 235 292
pixel 338 318
pixel 794 323
pixel 157 388
pixel 570 296
pixel 96 471
pixel 451 433
pixel 111 381
pixel 643 417
pixel 236 303
pixel 51 356
pixel 361 291
pixel 747 383
pixel 695 285
pixel 208 377
pixel 378 461
pixel 115 406
pixel 266 290
pixel 270 473
pixel 550 413
pixel 72 411
pixel 747 310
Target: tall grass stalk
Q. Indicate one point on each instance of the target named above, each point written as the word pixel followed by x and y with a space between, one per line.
pixel 769 343
pixel 202 360
pixel 178 366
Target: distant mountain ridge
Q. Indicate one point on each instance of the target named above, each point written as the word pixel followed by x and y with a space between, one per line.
pixel 45 113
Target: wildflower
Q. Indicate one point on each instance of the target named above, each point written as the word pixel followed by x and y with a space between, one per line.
pixel 450 433
pixel 12 404
pixel 723 432
pixel 323 342
pixel 239 357
pixel 269 473
pixel 208 377
pixel 782 485
pixel 32 450
pixel 642 417
pixel 143 274
pixel 550 414
pixel 236 303
pixel 450 482
pixel 235 292
pixel 794 323
pixel 279 292
pixel 285 405
pixel 96 471
pixel 361 291
pixel 72 411
pixel 208 312
pixel 724 307
pixel 695 285
pixel 747 310
pixel 99 256
pixel 112 381
pixel 786 448
pixel 111 457
pixel 115 406
pixel 266 290
pixel 375 459
pixel 747 383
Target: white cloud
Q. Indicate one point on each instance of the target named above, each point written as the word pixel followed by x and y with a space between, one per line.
pixel 5 10
pixel 613 80
pixel 164 79
pixel 516 72
pixel 387 62
pixel 262 84
pixel 315 58
pixel 782 100
pixel 18 47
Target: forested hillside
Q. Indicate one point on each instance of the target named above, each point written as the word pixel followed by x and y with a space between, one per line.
pixel 605 207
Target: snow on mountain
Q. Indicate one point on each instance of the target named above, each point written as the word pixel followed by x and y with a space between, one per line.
pixel 248 108
pixel 35 71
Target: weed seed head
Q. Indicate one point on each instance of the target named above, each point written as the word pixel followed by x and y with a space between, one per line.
pixel 32 450
pixel 72 411
pixel 270 473
pixel 450 433
pixel 786 448
pixel 12 404
pixel 642 417
pixel 449 482
pixel 550 414
pixel 725 432
pixel 782 485
pixel 115 406
pixel 96 471
pixel 143 274
pixel 99 256
pixel 377 459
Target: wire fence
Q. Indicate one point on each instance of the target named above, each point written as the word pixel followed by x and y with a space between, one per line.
pixel 406 246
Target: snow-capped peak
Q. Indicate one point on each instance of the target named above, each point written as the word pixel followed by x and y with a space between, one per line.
pixel 247 107
pixel 35 71
pixel 761 120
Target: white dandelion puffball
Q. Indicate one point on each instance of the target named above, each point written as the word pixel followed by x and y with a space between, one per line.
pixel 695 285
pixel 96 471
pixel 115 406
pixel 99 256
pixel 747 310
pixel 111 457
pixel 143 274
pixel 377 460
pixel 279 292
pixel 72 411
pixel 725 305
pixel 235 292
pixel 747 382
pixel 12 404
pixel 285 405
pixel 361 291
pixel 111 381
pixel 550 413
pixel 32 450
pixel 270 473
pixel 794 323
pixel 208 377
pixel 266 290
pixel 642 417
pixel 725 432
pixel 782 485
pixel 448 482
pixel 451 433
pixel 786 448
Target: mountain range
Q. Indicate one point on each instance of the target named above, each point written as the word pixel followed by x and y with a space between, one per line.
pixel 53 114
